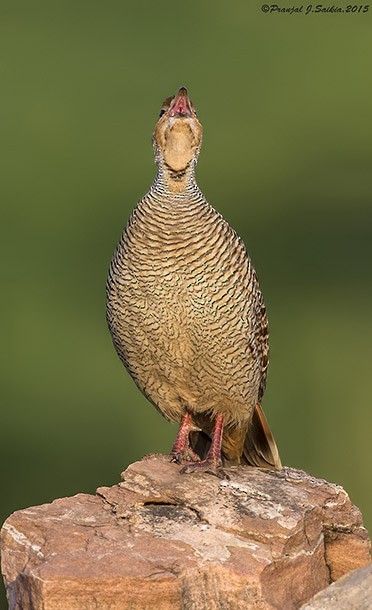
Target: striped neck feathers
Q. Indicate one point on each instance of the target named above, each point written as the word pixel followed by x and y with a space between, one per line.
pixel 175 181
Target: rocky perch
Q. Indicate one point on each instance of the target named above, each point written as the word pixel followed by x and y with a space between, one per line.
pixel 260 540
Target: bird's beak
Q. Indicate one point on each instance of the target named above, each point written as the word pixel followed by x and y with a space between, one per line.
pixel 181 104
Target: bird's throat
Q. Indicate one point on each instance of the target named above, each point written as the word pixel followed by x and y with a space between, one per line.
pixel 174 180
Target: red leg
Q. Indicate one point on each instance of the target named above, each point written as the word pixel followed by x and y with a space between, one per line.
pixel 213 461
pixel 181 449
pixel 214 452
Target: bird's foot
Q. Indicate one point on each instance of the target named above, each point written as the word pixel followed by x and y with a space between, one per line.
pixel 210 465
pixel 187 455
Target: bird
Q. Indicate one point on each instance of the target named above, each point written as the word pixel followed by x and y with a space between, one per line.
pixel 186 313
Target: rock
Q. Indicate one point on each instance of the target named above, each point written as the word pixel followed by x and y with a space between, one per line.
pixel 351 592
pixel 260 540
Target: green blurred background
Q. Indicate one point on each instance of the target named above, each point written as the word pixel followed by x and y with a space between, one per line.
pixel 285 102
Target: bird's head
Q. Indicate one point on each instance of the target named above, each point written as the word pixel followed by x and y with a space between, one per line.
pixel 178 134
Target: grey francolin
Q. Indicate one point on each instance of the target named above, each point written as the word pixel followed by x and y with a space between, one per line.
pixel 186 313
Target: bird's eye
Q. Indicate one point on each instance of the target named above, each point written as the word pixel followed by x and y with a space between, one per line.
pixel 166 105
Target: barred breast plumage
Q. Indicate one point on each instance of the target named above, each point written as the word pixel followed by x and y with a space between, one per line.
pixel 186 312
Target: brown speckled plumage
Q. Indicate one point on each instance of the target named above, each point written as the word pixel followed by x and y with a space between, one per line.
pixel 184 306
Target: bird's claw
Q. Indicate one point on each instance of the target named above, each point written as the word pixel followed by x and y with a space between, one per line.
pixel 188 455
pixel 211 466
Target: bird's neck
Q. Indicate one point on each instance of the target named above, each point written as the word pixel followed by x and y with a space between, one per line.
pixel 170 182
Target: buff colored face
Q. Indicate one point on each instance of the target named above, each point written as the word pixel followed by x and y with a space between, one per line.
pixel 178 133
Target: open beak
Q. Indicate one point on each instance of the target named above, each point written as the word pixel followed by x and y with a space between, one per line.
pixel 181 105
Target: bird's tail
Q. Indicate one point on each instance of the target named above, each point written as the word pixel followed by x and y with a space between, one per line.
pixel 259 447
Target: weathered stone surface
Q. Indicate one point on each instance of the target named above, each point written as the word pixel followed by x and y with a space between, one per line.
pixel 261 540
pixel 351 592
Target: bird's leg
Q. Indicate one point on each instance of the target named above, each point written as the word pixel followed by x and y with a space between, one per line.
pixel 213 461
pixel 181 450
